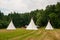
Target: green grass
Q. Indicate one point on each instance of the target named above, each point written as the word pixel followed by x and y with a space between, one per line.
pixel 23 34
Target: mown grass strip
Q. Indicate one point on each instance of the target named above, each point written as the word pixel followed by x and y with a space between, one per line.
pixel 19 36
pixel 27 35
pixel 7 35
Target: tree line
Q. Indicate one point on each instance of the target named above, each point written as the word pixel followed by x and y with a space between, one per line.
pixel 40 17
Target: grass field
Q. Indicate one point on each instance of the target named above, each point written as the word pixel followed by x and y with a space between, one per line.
pixel 23 34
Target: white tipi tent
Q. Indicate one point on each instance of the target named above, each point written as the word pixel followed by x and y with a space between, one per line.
pixel 49 26
pixel 32 26
pixel 11 26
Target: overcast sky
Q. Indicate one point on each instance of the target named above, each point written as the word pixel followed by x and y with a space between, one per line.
pixel 20 6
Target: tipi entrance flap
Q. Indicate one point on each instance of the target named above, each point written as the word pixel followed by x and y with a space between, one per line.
pixel 11 26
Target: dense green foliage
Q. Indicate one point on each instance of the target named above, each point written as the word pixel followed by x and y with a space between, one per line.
pixel 41 17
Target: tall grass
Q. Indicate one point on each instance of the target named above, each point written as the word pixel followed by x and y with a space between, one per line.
pixel 23 34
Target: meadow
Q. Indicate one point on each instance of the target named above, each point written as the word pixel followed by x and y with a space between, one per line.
pixel 23 34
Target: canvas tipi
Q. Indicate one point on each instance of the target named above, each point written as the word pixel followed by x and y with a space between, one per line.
pixel 32 26
pixel 49 26
pixel 11 26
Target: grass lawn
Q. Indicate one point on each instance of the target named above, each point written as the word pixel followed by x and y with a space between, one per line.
pixel 23 34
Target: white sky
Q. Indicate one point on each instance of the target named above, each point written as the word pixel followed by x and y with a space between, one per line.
pixel 20 6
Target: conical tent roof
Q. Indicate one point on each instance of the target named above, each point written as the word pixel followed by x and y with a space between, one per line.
pixel 49 26
pixel 31 26
pixel 11 26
